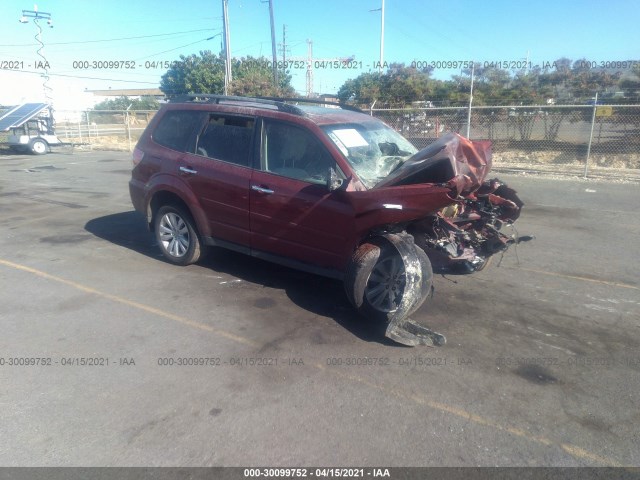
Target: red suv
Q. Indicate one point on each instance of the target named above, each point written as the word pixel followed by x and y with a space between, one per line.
pixel 331 191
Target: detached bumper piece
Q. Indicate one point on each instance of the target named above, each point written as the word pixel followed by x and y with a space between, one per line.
pixel 418 286
pixel 409 333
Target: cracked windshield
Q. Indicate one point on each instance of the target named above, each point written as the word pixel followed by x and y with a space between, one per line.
pixel 373 149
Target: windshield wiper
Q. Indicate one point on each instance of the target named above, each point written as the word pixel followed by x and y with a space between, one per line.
pixel 397 166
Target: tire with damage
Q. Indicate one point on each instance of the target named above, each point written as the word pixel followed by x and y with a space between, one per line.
pixel 388 278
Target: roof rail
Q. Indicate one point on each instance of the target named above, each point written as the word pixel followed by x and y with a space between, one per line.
pixel 314 101
pixel 218 99
pixel 276 102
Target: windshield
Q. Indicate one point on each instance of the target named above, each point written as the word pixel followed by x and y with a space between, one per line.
pixel 373 149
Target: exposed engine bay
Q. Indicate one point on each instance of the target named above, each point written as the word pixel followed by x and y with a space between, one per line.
pixel 461 237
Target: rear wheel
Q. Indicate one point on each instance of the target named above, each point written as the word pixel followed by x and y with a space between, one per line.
pixel 377 283
pixel 38 146
pixel 177 235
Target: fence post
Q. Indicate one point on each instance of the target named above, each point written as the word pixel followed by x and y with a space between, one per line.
pixel 89 131
pixel 128 127
pixel 371 108
pixel 473 68
pixel 593 121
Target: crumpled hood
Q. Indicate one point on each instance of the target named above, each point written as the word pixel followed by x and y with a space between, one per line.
pixel 452 159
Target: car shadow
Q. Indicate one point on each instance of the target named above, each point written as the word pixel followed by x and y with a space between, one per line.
pixel 318 295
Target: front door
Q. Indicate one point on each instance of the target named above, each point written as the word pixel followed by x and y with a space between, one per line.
pixel 293 213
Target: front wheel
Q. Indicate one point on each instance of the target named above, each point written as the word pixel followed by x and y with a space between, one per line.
pixel 384 284
pixel 177 235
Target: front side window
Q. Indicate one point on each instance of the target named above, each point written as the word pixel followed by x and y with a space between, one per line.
pixel 373 149
pixel 293 152
pixel 176 128
pixel 227 138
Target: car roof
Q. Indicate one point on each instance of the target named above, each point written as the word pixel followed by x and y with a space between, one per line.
pixel 326 116
pixel 274 107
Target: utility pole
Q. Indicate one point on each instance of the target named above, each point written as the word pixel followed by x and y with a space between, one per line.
pixel 284 45
pixel 273 46
pixel 309 68
pixel 317 63
pixel 381 37
pixel 227 47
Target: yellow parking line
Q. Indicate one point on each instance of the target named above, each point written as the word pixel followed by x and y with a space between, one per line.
pixel 572 450
pixel 13 226
pixel 130 303
pixel 576 277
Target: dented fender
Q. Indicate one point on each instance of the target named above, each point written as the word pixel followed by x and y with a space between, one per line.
pixel 414 282
pixel 418 284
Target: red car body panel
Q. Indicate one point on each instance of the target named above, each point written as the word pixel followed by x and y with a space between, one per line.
pixel 310 223
pixel 301 220
pixel 223 193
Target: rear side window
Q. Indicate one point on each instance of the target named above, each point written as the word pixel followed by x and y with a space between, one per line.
pixel 227 138
pixel 175 129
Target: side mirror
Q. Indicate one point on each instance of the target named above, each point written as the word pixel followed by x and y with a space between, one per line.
pixel 333 182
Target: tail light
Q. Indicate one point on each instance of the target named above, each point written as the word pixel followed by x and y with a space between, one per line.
pixel 137 156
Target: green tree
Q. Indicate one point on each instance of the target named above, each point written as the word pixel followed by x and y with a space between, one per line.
pixel 364 89
pixel 563 80
pixel 399 85
pixel 122 103
pixel 253 76
pixel 204 73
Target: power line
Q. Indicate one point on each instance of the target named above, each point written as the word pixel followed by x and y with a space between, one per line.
pixel 177 48
pixel 80 76
pixel 108 39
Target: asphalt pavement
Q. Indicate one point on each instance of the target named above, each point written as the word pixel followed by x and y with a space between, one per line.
pixel 110 356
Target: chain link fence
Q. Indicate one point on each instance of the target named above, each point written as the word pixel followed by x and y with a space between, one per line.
pixel 102 129
pixel 567 137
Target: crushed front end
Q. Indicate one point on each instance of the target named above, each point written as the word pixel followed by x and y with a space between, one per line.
pixel 459 237
pixel 462 235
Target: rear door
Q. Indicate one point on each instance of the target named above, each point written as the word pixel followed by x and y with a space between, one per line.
pixel 219 173
pixel 293 213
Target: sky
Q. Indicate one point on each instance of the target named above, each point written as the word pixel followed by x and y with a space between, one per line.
pixel 144 31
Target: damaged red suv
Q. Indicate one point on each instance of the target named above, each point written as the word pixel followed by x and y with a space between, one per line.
pixel 331 191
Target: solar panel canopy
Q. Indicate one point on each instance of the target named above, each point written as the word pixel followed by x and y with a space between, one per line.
pixel 20 115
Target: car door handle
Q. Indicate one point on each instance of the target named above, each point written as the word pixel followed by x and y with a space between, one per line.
pixel 261 189
pixel 188 170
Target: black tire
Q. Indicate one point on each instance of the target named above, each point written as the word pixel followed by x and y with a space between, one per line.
pixel 177 235
pixel 38 146
pixel 375 297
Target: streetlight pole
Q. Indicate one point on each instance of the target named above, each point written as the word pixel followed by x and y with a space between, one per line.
pixel 227 46
pixel 273 46
pixel 381 10
pixel 36 16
